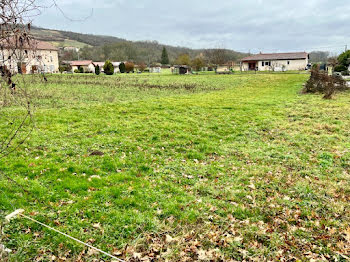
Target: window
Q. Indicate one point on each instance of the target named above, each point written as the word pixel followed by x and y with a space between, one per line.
pixel 51 59
pixel 288 62
pixel 262 63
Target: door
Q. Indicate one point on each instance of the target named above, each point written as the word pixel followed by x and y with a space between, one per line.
pixel 22 68
pixel 252 66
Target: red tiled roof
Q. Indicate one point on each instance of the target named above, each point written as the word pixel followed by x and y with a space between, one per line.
pixel 81 63
pixel 277 56
pixel 100 64
pixel 41 45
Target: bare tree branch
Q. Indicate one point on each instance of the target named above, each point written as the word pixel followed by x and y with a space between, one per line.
pixel 54 4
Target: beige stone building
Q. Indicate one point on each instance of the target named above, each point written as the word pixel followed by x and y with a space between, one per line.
pixel 276 62
pixel 37 57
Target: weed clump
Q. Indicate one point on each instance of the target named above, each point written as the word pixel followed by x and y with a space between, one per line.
pixel 321 82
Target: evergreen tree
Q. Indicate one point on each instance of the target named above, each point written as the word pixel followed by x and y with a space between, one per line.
pixel 122 68
pixel 97 70
pixel 344 59
pixel 165 57
pixel 108 68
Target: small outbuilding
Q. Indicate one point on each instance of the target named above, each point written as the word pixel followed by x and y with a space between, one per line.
pixel 156 69
pixel 87 66
pixel 181 70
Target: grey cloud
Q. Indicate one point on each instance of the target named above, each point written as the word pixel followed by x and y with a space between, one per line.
pixel 241 25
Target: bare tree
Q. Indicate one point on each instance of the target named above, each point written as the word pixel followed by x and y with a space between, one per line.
pixel 216 56
pixel 17 49
pixel 17 55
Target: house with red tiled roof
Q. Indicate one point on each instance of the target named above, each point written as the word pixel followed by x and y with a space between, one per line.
pixel 87 66
pixel 276 62
pixel 33 56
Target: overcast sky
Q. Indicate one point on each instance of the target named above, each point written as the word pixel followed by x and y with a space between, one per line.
pixel 242 25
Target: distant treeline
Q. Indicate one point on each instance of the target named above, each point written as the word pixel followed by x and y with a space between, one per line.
pixel 118 49
pixel 58 35
pixel 149 52
pixel 319 56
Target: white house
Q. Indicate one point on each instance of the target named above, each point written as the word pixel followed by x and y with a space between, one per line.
pixel 100 64
pixel 116 67
pixel 86 65
pixel 276 62
pixel 35 57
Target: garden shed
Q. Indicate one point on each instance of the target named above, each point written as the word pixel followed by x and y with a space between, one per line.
pixel 181 70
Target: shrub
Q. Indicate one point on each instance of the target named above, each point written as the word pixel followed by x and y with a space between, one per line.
pixel 76 71
pixel 122 68
pixel 142 67
pixel 97 70
pixel 321 82
pixel 108 68
pixel 340 68
pixel 129 67
pixel 315 66
pixel 198 63
pixel 183 59
pixel 345 73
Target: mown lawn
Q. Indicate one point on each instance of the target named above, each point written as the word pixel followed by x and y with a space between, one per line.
pixel 182 168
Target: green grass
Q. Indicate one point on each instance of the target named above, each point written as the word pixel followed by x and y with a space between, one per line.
pixel 234 166
pixel 69 43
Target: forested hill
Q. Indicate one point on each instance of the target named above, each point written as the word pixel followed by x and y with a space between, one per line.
pixel 100 48
pixel 66 38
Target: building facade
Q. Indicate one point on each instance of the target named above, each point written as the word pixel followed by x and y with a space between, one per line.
pixel 276 62
pixel 87 66
pixel 38 57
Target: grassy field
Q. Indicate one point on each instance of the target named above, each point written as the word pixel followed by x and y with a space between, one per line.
pixel 182 168
pixel 69 43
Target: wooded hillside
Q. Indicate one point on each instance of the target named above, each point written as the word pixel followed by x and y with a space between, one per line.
pixel 101 48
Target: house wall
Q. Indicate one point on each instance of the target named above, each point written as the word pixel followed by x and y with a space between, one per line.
pixel 90 68
pixel 155 70
pixel 245 66
pixel 299 64
pixel 236 68
pixel 49 61
pixel 222 69
pixel 44 60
